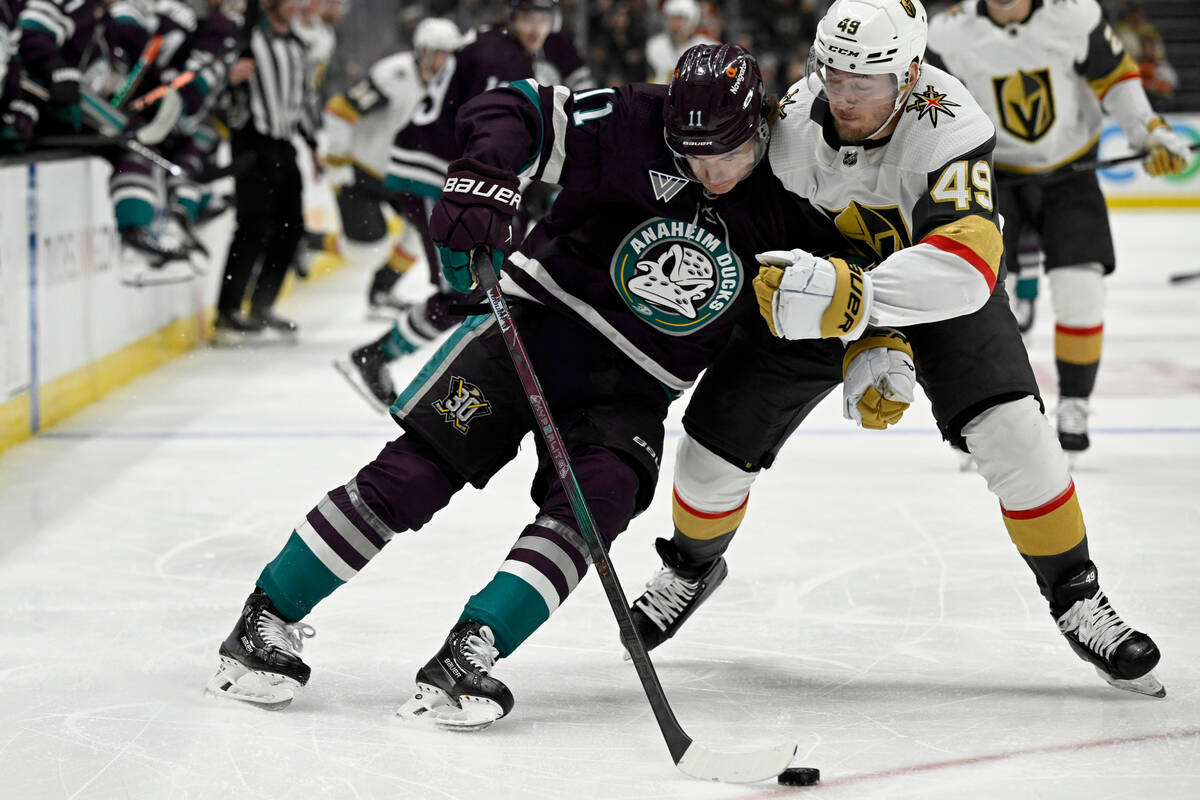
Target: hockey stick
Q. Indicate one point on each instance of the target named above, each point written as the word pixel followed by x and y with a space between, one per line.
pixel 1011 179
pixel 691 758
pixel 149 53
pixel 1184 277
pixel 156 94
pixel 1087 166
pixel 111 122
pixel 131 144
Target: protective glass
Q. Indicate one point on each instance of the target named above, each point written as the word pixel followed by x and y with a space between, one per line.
pixel 848 88
pixel 739 161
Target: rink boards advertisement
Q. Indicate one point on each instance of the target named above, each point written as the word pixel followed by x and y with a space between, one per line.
pixel 70 331
pixel 1128 185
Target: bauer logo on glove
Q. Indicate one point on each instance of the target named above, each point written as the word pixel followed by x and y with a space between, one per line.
pixel 802 296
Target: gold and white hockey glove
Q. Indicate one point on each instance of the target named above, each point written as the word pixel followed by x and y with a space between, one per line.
pixel 1167 152
pixel 879 379
pixel 802 296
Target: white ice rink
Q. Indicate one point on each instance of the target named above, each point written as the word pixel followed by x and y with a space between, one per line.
pixel 876 612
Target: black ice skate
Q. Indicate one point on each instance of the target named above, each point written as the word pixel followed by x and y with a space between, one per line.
pixel 366 370
pixel 673 594
pixel 1122 656
pixel 274 326
pixel 454 689
pixel 260 660
pixel 386 307
pixel 235 330
pixel 1073 426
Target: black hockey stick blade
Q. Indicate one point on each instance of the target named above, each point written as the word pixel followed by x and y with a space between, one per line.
pixel 1184 277
pixel 691 758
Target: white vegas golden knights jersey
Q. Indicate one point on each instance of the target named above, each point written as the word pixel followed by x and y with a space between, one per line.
pixel 920 205
pixel 1041 81
pixel 362 121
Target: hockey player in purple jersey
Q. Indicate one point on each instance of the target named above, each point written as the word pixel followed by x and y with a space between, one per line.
pixel 526 46
pixel 623 294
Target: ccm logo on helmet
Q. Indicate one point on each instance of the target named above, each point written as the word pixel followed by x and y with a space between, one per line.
pixel 843 51
pixel 478 188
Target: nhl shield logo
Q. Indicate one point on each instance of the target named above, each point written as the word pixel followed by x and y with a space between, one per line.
pixel 676 276
pixel 1026 103
pixel 463 403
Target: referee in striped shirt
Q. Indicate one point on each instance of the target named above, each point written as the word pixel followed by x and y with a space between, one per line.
pixel 271 84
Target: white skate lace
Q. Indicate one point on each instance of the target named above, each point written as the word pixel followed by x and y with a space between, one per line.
pixel 1095 624
pixel 480 651
pixel 287 636
pixel 667 595
pixel 1073 415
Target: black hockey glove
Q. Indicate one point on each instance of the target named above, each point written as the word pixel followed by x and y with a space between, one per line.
pixel 65 97
pixel 477 208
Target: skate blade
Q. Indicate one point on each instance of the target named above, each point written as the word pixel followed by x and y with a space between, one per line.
pixel 267 689
pixel 157 277
pixel 352 377
pixel 432 705
pixel 1147 684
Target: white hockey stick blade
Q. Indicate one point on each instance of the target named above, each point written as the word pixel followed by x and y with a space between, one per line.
pixel 160 127
pixel 758 765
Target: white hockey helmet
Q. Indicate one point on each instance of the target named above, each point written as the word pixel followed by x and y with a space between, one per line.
pixel 436 33
pixel 871 37
pixel 688 9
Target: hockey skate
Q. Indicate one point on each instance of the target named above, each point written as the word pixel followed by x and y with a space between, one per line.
pixel 1073 426
pixel 673 594
pixel 1023 310
pixel 1122 656
pixel 384 307
pixel 260 660
pixel 366 370
pixel 148 262
pixel 274 327
pixel 235 330
pixel 454 690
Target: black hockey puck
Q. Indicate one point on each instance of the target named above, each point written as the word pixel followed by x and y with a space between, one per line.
pixel 800 776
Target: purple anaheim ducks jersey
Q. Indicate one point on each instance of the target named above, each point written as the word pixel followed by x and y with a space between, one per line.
pixel 55 34
pixel 488 58
pixel 629 247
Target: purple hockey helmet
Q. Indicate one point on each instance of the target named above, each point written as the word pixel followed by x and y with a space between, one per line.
pixel 715 101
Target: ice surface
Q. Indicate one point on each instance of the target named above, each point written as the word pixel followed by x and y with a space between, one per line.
pixel 875 611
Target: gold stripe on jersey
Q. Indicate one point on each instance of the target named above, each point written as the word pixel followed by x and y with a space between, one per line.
pixel 1078 345
pixel 975 239
pixel 1075 156
pixel 1124 71
pixel 704 525
pixel 340 106
pixel 1048 530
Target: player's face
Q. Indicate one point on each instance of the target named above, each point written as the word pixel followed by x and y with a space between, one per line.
pixel 531 27
pixel 721 173
pixel 430 61
pixel 860 104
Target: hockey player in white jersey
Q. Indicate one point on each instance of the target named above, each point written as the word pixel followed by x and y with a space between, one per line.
pixel 663 49
pixel 1044 71
pixel 899 157
pixel 360 124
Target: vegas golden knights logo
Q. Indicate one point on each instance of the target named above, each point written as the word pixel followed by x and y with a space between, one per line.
pixel 874 233
pixel 909 8
pixel 1026 103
